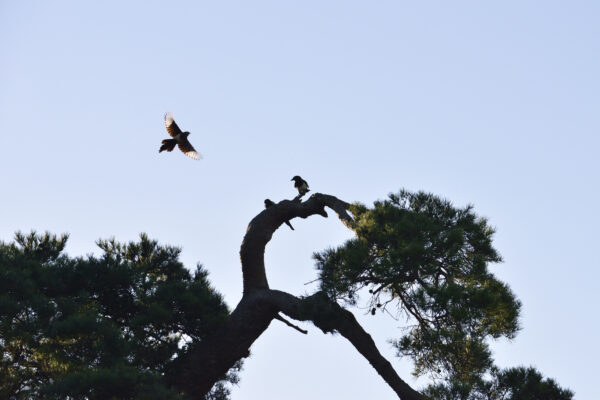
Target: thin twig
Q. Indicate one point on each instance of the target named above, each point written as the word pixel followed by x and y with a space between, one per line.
pixel 313 281
pixel 288 323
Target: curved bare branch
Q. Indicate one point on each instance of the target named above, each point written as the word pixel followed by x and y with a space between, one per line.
pixel 261 228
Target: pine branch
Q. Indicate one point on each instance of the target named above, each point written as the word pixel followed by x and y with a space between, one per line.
pixel 212 357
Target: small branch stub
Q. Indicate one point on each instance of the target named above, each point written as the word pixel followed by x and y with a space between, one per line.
pixel 288 323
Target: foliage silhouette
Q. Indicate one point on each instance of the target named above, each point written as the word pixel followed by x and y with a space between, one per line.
pixel 135 324
pixel 99 328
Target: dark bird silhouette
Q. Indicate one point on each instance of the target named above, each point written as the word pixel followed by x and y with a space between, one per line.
pixel 301 185
pixel 179 139
pixel 269 203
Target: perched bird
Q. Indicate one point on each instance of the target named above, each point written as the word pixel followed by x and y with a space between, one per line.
pixel 301 185
pixel 269 203
pixel 179 139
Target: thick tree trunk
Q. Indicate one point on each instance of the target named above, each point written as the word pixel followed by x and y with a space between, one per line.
pixel 213 357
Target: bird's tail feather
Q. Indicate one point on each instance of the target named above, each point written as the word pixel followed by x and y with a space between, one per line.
pixel 168 145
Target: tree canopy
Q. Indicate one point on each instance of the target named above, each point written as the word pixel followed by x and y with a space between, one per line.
pixel 133 323
pixel 517 383
pixel 99 327
pixel 423 258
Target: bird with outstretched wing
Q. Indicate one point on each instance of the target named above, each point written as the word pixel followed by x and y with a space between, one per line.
pixel 179 138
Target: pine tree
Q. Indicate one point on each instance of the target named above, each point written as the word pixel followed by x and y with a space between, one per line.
pixel 423 259
pixel 520 383
pixel 99 328
pixel 135 324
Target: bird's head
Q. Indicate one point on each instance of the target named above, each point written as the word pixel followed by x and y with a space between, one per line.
pixel 268 203
pixel 296 178
pixel 186 134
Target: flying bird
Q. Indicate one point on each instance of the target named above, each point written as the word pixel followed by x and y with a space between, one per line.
pixel 269 203
pixel 301 185
pixel 179 139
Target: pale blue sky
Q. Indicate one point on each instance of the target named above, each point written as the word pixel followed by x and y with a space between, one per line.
pixel 494 104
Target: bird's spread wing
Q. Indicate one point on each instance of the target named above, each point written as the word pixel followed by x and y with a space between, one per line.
pixel 171 126
pixel 187 149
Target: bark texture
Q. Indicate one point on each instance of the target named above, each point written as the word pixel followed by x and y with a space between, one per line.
pixel 213 357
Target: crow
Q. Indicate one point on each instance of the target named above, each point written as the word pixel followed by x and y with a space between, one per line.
pixel 269 203
pixel 301 185
pixel 179 139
